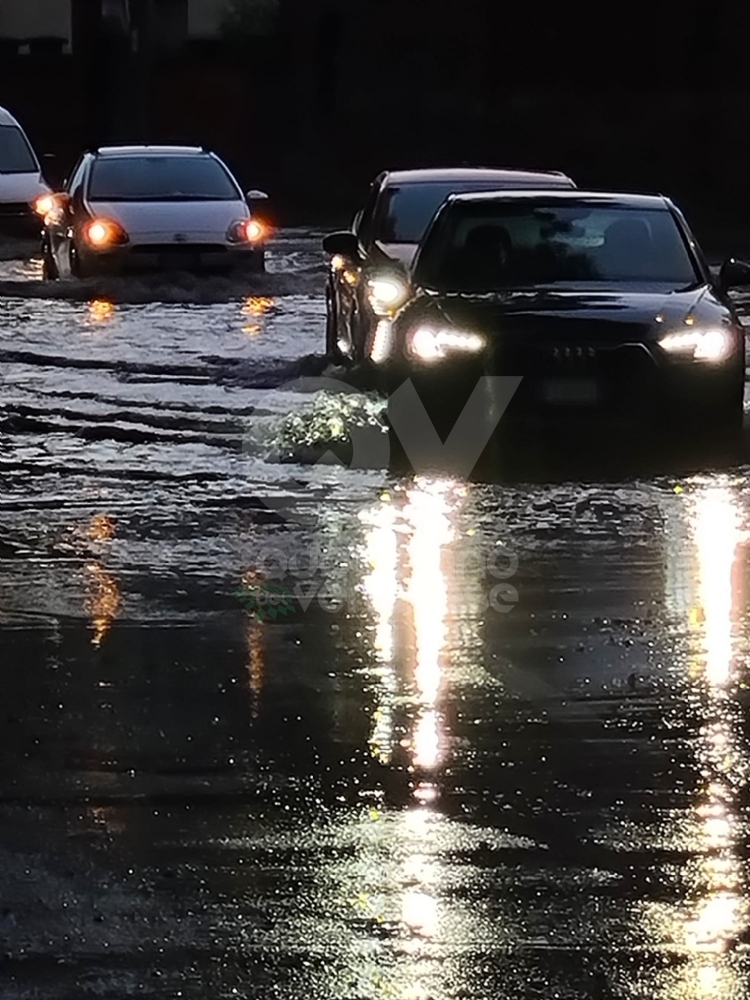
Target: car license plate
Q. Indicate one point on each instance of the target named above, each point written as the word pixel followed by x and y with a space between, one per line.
pixel 179 261
pixel 571 391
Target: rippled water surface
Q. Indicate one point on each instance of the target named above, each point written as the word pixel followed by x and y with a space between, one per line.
pixel 495 745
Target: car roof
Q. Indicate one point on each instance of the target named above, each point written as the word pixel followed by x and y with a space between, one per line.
pixel 483 175
pixel 140 150
pixel 6 118
pixel 652 201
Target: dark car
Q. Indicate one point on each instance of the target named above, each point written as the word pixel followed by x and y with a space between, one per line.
pixel 384 238
pixel 602 303
pixel 152 208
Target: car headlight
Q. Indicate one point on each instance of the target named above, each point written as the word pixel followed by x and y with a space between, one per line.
pixel 246 231
pixel 713 344
pixel 103 233
pixel 386 295
pixel 433 345
pixel 45 204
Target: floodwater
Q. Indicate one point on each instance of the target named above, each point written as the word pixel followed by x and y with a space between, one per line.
pixel 493 745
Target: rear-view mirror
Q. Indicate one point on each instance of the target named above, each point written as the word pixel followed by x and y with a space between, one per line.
pixel 256 195
pixel 345 244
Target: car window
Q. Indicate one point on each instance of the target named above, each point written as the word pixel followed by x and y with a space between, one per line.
pixel 483 247
pixel 77 176
pixel 16 155
pixel 405 211
pixel 364 229
pixel 161 178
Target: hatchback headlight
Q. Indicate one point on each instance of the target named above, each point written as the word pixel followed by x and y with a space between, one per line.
pixel 104 233
pixel 712 344
pixel 429 344
pixel 246 231
pixel 45 204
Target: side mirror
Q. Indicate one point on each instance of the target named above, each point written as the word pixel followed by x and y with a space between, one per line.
pixel 734 274
pixel 49 156
pixel 256 195
pixel 345 244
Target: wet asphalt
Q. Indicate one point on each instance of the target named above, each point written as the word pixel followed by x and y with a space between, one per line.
pixel 491 742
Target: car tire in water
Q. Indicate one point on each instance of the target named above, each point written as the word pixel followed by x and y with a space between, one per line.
pixel 49 266
pixel 723 419
pixel 75 262
pixel 729 420
pixel 332 345
pixel 258 262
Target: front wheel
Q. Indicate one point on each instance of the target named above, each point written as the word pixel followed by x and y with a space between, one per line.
pixel 723 418
pixel 333 351
pixel 75 263
pixel 727 420
pixel 258 262
pixel 50 271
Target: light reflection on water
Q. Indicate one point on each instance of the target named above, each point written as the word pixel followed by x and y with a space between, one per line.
pixel 382 589
pixel 716 913
pixel 408 584
pixel 103 596
pixel 256 653
pixel 101 311
pixel 254 308
pixel 408 580
pixel 428 514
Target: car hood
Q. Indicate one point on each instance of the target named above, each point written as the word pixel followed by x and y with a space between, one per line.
pixel 404 252
pixel 578 315
pixel 22 187
pixel 168 218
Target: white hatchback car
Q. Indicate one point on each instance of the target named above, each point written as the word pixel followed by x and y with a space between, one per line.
pixel 21 180
pixel 152 208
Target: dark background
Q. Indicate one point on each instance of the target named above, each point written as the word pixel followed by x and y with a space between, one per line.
pixel 636 97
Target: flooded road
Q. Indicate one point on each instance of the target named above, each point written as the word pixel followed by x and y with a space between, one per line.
pixel 494 744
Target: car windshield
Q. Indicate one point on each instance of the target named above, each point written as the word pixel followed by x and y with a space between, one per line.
pixel 404 212
pixel 161 178
pixel 16 156
pixel 478 247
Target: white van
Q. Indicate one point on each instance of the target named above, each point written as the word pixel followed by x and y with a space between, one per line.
pixel 21 180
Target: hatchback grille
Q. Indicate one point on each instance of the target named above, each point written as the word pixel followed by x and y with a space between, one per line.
pixel 179 249
pixel 13 209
